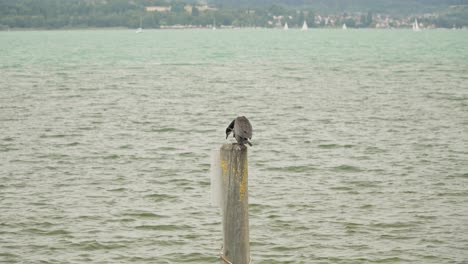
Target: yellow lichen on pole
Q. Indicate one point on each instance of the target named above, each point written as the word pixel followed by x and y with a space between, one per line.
pixel 234 170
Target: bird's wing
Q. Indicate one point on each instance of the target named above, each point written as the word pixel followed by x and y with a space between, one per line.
pixel 230 128
pixel 245 127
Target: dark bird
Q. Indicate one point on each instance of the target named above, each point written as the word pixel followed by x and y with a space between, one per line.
pixel 241 130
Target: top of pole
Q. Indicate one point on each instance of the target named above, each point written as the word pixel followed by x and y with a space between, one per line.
pixel 234 146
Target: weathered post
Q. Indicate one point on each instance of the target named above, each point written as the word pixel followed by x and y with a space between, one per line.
pixel 234 171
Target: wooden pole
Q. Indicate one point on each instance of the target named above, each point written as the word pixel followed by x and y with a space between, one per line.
pixel 234 171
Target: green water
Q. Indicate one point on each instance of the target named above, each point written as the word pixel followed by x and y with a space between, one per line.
pixel 360 144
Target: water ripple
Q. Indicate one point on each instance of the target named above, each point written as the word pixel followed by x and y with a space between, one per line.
pixel 359 149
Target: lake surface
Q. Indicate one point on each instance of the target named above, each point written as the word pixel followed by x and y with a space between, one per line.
pixel 360 144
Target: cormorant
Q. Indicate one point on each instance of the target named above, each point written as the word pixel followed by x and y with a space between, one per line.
pixel 242 130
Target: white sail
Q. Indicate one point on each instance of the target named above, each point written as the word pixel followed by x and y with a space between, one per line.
pixel 304 26
pixel 286 26
pixel 344 26
pixel 140 29
pixel 416 25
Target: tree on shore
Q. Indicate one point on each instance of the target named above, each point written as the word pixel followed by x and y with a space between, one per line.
pixel 52 14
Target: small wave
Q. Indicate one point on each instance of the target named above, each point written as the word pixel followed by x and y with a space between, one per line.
pixel 396 237
pixel 166 129
pixel 185 63
pixel 86 128
pixel 453 194
pixel 432 241
pixel 6 149
pixel 8 255
pixel 260 206
pixel 391 260
pixel 145 215
pixel 162 227
pixel 426 217
pixel 122 220
pixel 118 190
pixel 53 136
pixel 187 154
pixel 273 216
pixel 95 245
pixel 53 156
pixel 374 150
pixel 45 232
pixel 366 184
pixel 145 260
pixel 113 156
pixel 141 122
pixel 292 168
pixel 328 146
pixel 341 188
pixel 295 78
pixel 393 225
pixel 285 248
pixel 194 257
pixel 181 182
pixel 347 168
pixel 59 135
pixel 57 232
pixel 26 161
pixel 167 148
pixel 333 146
pixel 352 226
pixel 159 196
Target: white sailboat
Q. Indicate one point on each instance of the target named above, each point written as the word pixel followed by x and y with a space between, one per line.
pixel 304 26
pixel 416 25
pixel 286 26
pixel 344 26
pixel 140 29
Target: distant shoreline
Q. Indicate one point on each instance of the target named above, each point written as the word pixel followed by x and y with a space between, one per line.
pixel 201 28
pixel 65 29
